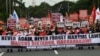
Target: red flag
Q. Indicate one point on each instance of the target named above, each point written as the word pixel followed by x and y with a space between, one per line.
pixel 49 16
pixel 93 13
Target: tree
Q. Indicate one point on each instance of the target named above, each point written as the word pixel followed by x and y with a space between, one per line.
pixel 63 7
pixel 42 9
pixel 3 14
pixel 21 9
pixel 85 4
pixel 39 11
pixel 9 7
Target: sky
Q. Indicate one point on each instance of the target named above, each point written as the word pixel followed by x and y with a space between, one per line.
pixel 38 2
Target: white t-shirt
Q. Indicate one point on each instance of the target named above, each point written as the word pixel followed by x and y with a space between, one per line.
pixel 25 33
pixel 20 34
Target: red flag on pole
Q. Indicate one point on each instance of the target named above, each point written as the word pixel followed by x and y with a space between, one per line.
pixel 93 13
pixel 49 16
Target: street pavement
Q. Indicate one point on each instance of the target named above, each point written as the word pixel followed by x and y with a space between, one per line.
pixel 67 52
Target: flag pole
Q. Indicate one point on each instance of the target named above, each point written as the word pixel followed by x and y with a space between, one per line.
pixel 94 17
pixel 94 27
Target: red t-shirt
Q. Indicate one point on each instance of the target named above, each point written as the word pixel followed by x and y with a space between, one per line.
pixel 77 31
pixel 15 33
pixel 85 30
pixel 68 31
pixel 4 33
pixel 42 33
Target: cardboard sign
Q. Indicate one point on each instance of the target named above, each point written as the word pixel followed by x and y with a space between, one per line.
pixel 60 24
pixel 23 22
pixel 11 23
pixel 39 23
pixel 84 23
pixel 76 24
pixel 48 24
pixel 68 23
pixel 56 16
pixel 83 14
pixel 74 17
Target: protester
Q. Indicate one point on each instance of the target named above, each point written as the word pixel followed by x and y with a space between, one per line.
pixel 1 31
pixel 31 32
pixel 15 33
pixel 48 32
pixel 42 33
pixel 77 30
pixel 36 33
pixel 9 33
pixel 85 30
pixel 4 32
pixel 20 33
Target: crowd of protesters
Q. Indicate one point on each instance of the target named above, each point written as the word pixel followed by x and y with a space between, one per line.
pixel 43 32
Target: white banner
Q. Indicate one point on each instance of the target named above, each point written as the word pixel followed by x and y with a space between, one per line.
pixel 53 41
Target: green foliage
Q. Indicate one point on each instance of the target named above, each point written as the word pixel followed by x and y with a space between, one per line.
pixel 3 16
pixel 5 10
pixel 42 9
pixel 39 11
pixel 85 4
pixel 63 7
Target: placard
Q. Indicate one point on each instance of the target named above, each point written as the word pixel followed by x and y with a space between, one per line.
pixel 76 24
pixel 11 23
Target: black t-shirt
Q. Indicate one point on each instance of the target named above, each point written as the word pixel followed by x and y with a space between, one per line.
pixel 9 33
pixel 1 32
pixel 49 32
pixel 36 33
